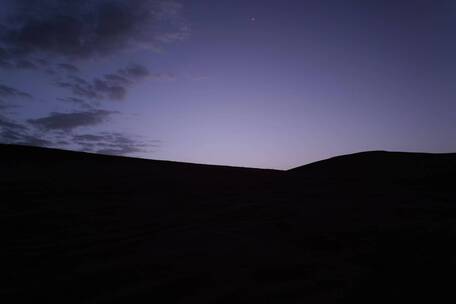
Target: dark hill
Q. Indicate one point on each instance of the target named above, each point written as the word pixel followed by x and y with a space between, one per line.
pixel 380 165
pixel 84 228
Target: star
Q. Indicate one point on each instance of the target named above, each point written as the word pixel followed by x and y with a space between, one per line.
pixel 253 19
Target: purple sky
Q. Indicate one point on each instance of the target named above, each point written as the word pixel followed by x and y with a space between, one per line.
pixel 272 84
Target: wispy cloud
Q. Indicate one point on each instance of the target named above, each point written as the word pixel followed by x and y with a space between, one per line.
pixel 70 121
pixel 56 134
pixel 13 132
pixel 113 86
pixel 9 95
pixel 6 91
pixel 85 29
pixel 113 143
pixel 67 67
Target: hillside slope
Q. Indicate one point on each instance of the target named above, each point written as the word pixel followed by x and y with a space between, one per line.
pixel 83 228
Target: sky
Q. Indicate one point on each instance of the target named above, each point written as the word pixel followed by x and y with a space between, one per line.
pixel 259 83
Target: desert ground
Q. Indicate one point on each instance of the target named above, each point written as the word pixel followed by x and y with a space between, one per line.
pixel 85 228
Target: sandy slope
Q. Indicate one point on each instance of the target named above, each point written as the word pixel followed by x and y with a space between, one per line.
pixel 82 228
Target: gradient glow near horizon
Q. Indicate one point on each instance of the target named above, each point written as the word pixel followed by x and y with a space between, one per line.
pixel 272 84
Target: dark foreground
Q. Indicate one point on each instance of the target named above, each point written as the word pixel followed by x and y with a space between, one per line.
pixel 375 227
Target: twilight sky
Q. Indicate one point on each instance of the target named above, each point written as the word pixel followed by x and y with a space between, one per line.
pixel 255 83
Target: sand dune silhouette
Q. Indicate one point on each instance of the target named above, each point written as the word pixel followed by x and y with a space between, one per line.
pixel 85 228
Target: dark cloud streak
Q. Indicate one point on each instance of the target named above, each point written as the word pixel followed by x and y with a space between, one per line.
pixel 79 102
pixel 7 94
pixel 68 67
pixel 112 143
pixel 69 121
pixel 85 29
pixel 12 132
pixel 7 91
pixel 113 86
